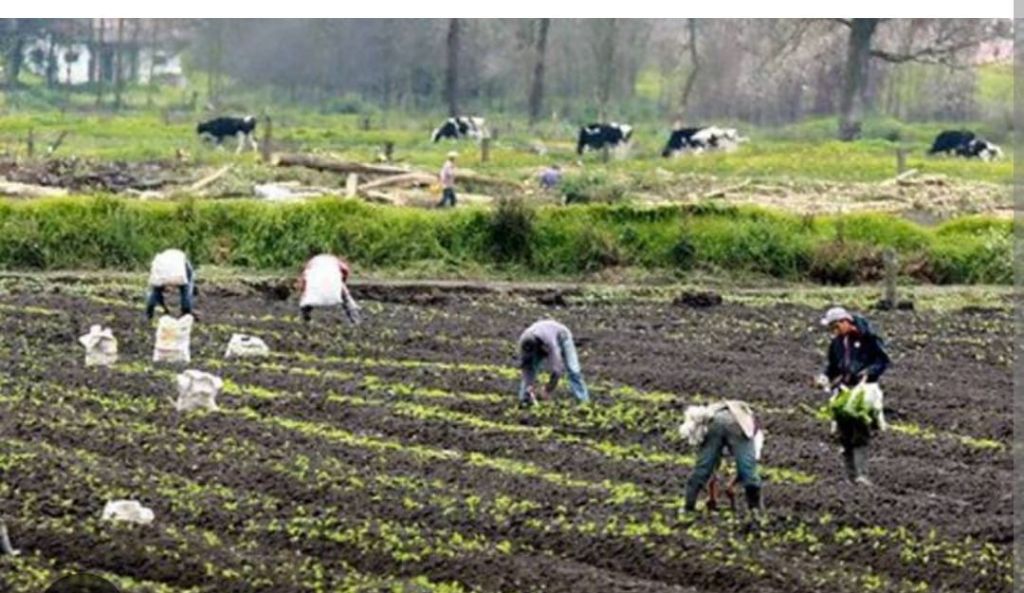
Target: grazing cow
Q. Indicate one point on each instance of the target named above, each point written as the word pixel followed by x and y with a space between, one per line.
pixel 597 136
pixel 966 144
pixel 700 139
pixel 457 128
pixel 217 129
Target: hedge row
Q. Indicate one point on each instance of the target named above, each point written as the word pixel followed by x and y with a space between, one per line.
pixel 83 233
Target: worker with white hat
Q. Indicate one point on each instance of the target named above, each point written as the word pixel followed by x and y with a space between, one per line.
pixel 856 360
pixel 447 178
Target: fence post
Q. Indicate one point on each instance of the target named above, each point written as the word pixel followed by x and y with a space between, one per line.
pixel 485 150
pixel 889 297
pixel 268 138
pixel 901 160
pixel 389 150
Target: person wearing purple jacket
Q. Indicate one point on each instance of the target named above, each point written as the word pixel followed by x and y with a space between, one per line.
pixel 551 341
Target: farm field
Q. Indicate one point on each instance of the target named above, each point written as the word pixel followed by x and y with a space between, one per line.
pixel 391 456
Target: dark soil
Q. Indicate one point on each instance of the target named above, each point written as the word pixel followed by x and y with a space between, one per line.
pixel 428 457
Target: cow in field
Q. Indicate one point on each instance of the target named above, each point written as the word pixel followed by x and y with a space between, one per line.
pixel 702 139
pixel 457 128
pixel 597 136
pixel 217 129
pixel 966 144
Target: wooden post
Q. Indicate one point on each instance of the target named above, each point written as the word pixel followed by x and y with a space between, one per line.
pixel 268 136
pixel 351 185
pixel 891 272
pixel 389 150
pixel 485 150
pixel 901 160
pixel 30 143
pixel 366 123
pixel 606 154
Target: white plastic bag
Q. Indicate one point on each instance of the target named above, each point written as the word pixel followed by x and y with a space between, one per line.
pixel 323 282
pixel 169 269
pixel 130 511
pixel 874 400
pixel 242 346
pixel 197 389
pixel 173 338
pixel 100 346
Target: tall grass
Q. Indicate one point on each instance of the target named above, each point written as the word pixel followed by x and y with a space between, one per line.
pixel 68 233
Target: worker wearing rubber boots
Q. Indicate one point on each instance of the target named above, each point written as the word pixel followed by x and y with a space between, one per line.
pixel 548 340
pixel 713 428
pixel 856 360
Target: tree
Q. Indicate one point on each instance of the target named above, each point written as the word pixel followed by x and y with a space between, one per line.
pixel 603 44
pixel 691 78
pixel 858 53
pixel 537 84
pixel 119 66
pixel 943 43
pixel 451 79
pixel 100 51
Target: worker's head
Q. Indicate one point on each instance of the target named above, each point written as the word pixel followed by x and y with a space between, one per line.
pixel 531 351
pixel 453 155
pixel 838 321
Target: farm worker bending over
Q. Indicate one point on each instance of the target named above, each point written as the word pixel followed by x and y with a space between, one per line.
pixel 550 177
pixel 170 268
pixel 447 178
pixel 322 284
pixel 713 428
pixel 856 359
pixel 549 340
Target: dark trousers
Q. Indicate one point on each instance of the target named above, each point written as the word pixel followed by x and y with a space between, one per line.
pixel 855 437
pixel 723 431
pixel 156 297
pixel 447 197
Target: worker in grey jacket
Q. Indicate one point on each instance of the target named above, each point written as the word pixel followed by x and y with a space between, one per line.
pixel 551 341
pixel 713 428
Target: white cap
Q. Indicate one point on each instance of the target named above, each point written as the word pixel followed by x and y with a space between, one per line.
pixel 836 314
pixel 453 155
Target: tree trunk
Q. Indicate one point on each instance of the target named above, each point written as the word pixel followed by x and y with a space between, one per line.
pixel 14 53
pixel 451 80
pixel 99 63
pixel 537 85
pixel 151 83
pixel 858 54
pixel 691 78
pixel 91 47
pixel 606 65
pixel 119 66
pixel 52 70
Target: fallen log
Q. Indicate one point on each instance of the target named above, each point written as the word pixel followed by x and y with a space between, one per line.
pixel 465 175
pixel 333 165
pixel 720 193
pixel 205 181
pixel 28 190
pixel 412 178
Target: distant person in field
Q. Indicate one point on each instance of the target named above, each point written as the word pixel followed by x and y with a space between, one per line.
pixel 551 177
pixel 550 341
pixel 323 283
pixel 717 428
pixel 171 268
pixel 447 178
pixel 856 360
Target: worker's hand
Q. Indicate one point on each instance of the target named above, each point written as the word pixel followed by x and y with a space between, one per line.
pixel 544 393
pixel 822 382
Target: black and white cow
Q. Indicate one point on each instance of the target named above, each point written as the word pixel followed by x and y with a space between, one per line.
pixel 701 139
pixel 597 136
pixel 966 144
pixel 457 128
pixel 219 128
